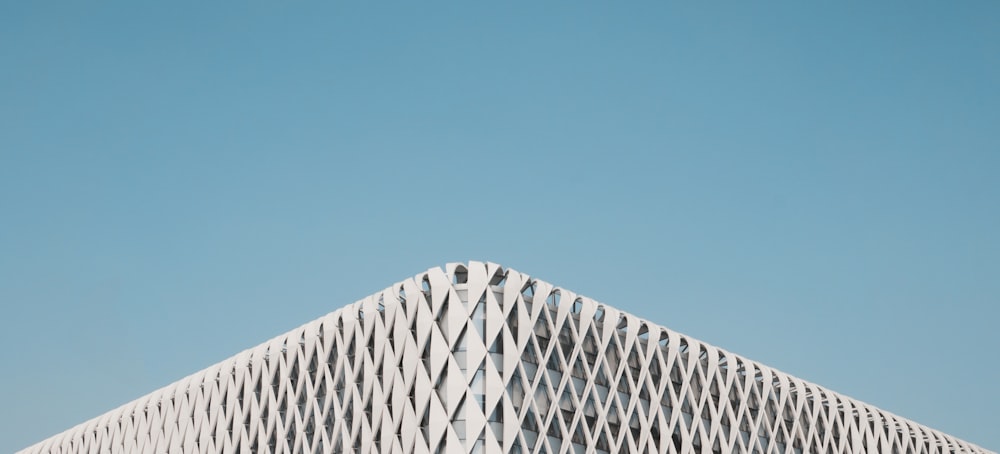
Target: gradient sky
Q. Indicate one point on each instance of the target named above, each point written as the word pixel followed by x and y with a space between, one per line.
pixel 814 186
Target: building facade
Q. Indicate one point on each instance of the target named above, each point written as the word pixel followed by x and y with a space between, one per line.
pixel 476 358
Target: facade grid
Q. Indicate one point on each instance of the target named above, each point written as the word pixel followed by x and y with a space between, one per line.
pixel 476 358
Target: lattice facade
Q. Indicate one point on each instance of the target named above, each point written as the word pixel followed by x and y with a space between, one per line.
pixel 476 358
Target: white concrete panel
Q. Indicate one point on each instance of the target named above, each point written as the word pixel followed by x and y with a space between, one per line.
pixel 388 374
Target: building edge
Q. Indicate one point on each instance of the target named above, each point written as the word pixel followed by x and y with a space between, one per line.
pixel 455 273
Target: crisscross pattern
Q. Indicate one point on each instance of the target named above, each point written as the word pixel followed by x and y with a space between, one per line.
pixel 475 358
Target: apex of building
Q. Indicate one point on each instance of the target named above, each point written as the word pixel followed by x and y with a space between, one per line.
pixel 478 358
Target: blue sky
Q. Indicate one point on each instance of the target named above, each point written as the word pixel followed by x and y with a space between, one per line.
pixel 814 186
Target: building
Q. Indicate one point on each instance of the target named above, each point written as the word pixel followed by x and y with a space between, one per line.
pixel 475 358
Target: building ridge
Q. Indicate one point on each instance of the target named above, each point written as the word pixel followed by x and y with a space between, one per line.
pixel 474 357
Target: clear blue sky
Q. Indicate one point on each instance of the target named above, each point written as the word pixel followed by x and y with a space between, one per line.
pixel 816 187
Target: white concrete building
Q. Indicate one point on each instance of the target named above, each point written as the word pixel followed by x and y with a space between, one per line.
pixel 476 358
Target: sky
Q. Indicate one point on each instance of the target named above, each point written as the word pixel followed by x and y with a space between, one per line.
pixel 813 185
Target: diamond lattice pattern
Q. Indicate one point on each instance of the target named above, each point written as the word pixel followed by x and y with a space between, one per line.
pixel 475 358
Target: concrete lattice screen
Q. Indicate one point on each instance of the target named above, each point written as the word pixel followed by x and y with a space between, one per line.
pixel 475 358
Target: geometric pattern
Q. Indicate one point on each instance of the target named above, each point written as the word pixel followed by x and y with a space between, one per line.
pixel 475 358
